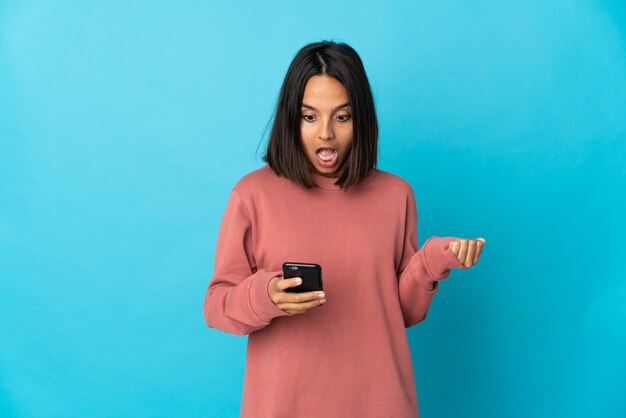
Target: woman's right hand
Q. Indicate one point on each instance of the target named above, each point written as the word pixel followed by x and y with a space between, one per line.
pixel 293 303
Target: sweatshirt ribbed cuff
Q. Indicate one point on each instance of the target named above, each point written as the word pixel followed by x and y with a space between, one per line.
pixel 260 301
pixel 439 257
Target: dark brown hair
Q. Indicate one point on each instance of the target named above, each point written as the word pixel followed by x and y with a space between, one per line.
pixel 284 153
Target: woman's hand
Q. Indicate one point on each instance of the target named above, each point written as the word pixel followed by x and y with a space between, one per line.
pixel 468 250
pixel 293 303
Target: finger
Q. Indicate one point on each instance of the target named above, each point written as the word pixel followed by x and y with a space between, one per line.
pixel 301 297
pixel 463 251
pixel 479 248
pixel 454 245
pixel 471 250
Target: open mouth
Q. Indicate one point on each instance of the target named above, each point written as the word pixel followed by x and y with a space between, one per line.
pixel 327 157
pixel 326 154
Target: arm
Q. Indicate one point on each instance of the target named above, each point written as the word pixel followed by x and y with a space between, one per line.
pixel 421 270
pixel 236 299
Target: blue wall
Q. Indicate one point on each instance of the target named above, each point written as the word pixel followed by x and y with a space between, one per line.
pixel 123 126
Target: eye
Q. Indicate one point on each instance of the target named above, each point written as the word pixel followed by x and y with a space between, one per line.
pixel 305 118
pixel 347 117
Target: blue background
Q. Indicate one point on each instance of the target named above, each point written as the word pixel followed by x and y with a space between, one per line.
pixel 123 126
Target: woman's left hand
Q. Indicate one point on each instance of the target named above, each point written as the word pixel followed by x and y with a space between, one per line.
pixel 468 250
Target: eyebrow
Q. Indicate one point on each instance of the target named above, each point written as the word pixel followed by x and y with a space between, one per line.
pixel 338 107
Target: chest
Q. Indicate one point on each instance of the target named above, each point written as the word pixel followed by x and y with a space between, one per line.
pixel 330 232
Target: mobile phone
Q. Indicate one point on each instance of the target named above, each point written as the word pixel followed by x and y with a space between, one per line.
pixel 310 273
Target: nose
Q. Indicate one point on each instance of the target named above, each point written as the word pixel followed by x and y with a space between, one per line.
pixel 326 131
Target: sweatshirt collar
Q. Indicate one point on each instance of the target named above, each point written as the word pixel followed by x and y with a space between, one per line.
pixel 329 182
pixel 324 182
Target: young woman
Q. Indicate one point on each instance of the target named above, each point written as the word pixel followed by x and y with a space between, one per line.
pixel 342 352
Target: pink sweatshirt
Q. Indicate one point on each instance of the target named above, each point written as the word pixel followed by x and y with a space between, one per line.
pixel 350 356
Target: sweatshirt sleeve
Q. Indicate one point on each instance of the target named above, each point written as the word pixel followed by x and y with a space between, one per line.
pixel 420 270
pixel 236 299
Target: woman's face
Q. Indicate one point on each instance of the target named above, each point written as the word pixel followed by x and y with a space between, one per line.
pixel 326 124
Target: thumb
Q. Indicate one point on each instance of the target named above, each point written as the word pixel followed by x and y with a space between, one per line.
pixel 295 281
pixel 290 282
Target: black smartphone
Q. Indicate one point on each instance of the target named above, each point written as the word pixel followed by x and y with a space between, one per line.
pixel 311 275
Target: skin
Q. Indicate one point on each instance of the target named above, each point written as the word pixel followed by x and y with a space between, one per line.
pixel 325 123
pixel 293 303
pixel 467 250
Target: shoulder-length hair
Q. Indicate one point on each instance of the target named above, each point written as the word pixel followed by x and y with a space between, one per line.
pixel 284 153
